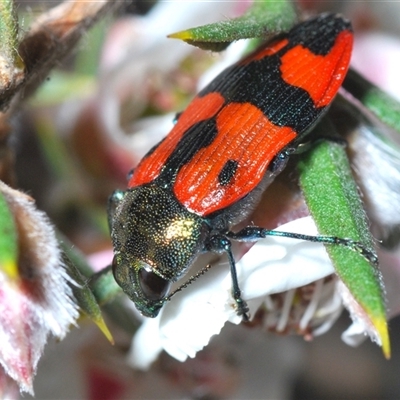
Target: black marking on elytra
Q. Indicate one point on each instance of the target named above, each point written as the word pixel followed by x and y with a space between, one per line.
pixel 319 34
pixel 227 173
pixel 259 82
pixel 198 136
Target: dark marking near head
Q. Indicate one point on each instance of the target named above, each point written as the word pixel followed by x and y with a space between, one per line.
pixel 228 172
pixel 195 138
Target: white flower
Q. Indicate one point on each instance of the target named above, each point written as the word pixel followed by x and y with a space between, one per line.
pixel 273 265
pixel 147 56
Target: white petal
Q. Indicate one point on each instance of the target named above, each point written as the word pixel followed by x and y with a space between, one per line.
pixel 201 322
pixel 355 334
pixel 143 54
pixel 278 264
pixel 193 316
pixel 146 345
pixel 148 132
pixel 361 320
pixel 186 323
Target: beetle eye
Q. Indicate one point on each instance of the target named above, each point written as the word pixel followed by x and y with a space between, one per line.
pixel 153 286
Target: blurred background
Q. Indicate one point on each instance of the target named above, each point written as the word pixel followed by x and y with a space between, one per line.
pixel 77 138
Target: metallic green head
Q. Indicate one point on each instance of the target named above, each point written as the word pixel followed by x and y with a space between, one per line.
pixel 155 241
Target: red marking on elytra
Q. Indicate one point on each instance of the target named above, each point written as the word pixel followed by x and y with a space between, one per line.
pixel 245 135
pixel 321 76
pixel 200 109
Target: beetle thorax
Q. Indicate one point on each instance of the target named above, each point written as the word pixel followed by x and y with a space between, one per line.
pixel 151 225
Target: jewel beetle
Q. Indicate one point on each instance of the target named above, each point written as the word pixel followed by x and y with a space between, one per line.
pixel 189 191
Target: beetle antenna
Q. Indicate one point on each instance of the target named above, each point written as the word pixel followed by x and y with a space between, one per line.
pixel 188 282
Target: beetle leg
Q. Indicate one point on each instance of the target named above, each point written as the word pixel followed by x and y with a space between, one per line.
pixel 219 243
pixel 254 233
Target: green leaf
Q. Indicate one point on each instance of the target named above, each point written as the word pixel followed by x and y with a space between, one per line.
pixel 108 294
pixel 83 295
pixel 382 105
pixel 102 284
pixel 74 257
pixel 8 241
pixel 9 33
pixel 261 20
pixel 332 197
pixel 95 290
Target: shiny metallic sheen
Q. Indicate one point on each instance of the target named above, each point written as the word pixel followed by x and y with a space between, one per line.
pixel 152 231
